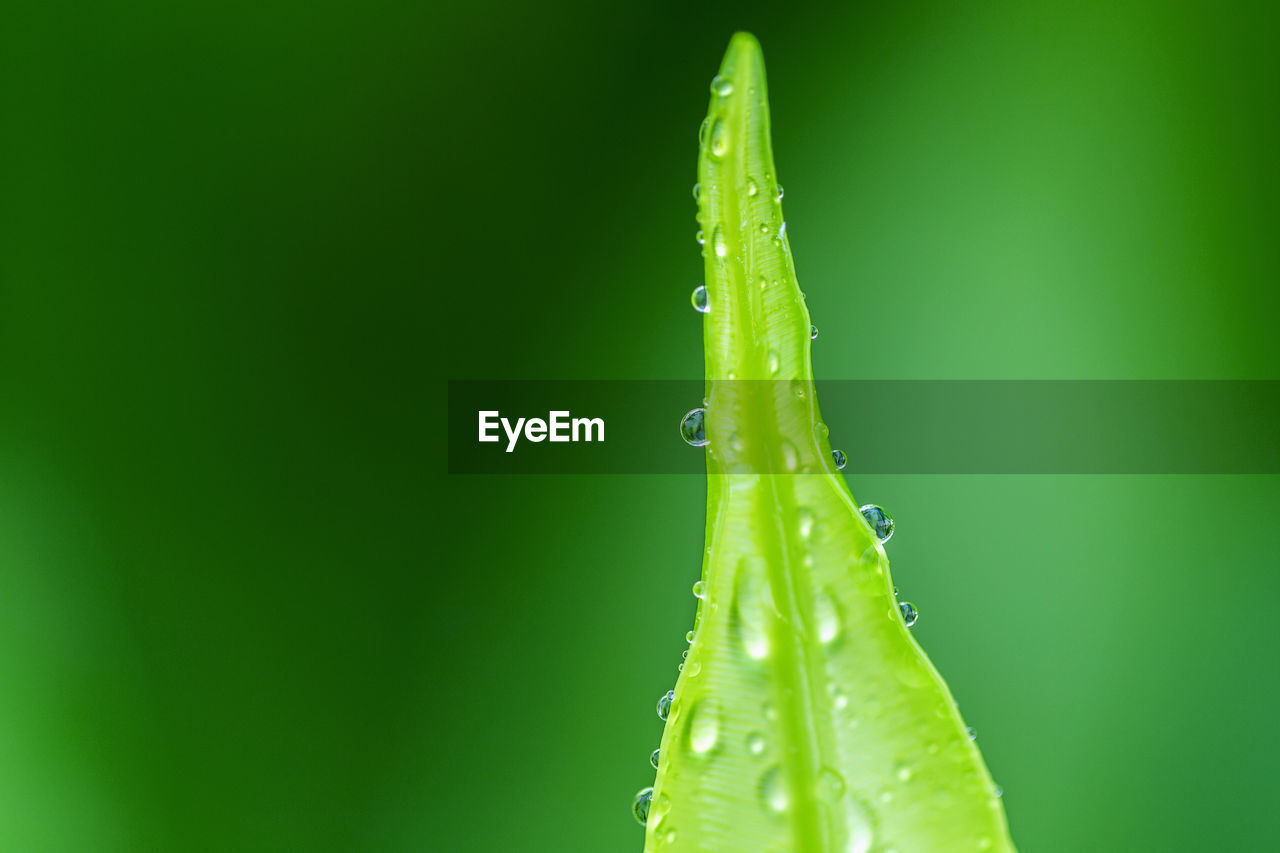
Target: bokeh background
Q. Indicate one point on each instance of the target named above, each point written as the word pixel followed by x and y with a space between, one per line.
pixel 242 245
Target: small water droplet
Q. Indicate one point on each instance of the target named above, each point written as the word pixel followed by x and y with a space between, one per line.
pixel 779 193
pixel 830 785
pixel 699 589
pixel 718 244
pixel 797 387
pixel 701 303
pixel 719 142
pixel 704 727
pixel 821 429
pixel 653 758
pixel 693 428
pixel 703 130
pixel 640 808
pixel 773 790
pixel 751 187
pixel 721 86
pixel 688 636
pixel 700 238
pixel 813 333
pixel 697 192
pixel 782 230
pixel 881 522
pixel 684 655
pixel 904 772
pixel 909 614
pixel 756 743
pixel 973 735
pixel 840 459
pixel 999 791
pixel 775 363
pixel 664 704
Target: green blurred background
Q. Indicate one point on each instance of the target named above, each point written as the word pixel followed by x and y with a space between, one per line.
pixel 243 245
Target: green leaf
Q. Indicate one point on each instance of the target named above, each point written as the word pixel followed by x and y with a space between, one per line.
pixel 806 717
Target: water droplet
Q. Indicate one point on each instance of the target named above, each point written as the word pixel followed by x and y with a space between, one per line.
pixel 697 192
pixel 904 772
pixel 653 758
pixel 704 727
pixel 700 238
pixel 756 743
pixel 773 790
pixel 703 130
pixel 782 230
pixel 797 387
pixel 840 459
pixel 664 704
pixel 751 187
pixel 750 607
pixel 693 429
pixel 840 700
pixel 973 735
pixel 640 808
pixel 718 244
pixel 813 333
pixel 774 363
pixel 805 522
pixel 721 86
pixel 881 522
pixel 688 637
pixel 830 785
pixel 699 589
pixel 780 193
pixel 999 791
pixel 719 143
pixel 827 617
pixel 684 655
pixel 701 303
pixel 790 456
pixel 909 614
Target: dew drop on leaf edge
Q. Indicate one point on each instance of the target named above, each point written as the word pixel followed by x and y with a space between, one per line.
pixel 664 704
pixel 909 613
pixel 701 303
pixel 881 521
pixel 640 808
pixel 840 459
pixel 693 429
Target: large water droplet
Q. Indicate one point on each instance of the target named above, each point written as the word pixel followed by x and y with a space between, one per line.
pixel 653 758
pixel 704 727
pixel 827 617
pixel 750 607
pixel 773 790
pixel 721 86
pixel 840 459
pixel 790 456
pixel 701 303
pixel 693 429
pixel 881 522
pixel 719 142
pixel 805 522
pixel 909 614
pixel 718 244
pixel 640 808
pixel 664 704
